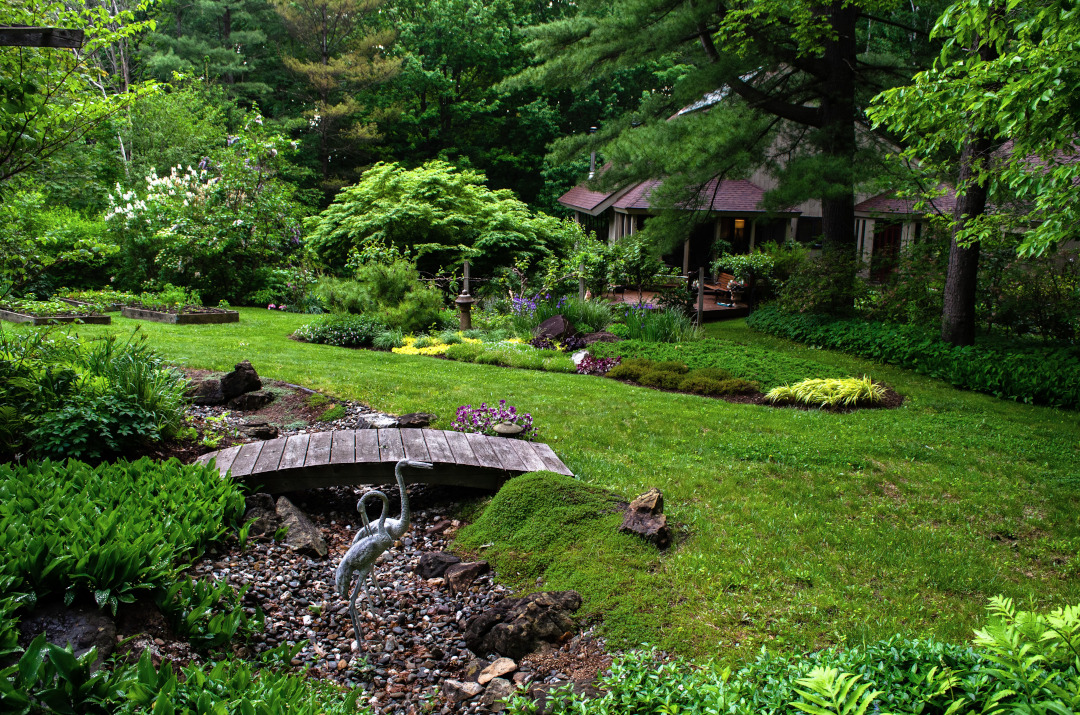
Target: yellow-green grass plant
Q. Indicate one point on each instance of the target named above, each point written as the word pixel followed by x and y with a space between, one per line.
pixel 829 392
pixel 795 529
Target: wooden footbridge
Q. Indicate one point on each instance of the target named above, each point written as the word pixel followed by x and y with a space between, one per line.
pixel 368 456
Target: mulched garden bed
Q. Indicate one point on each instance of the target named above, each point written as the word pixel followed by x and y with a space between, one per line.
pixel 891 400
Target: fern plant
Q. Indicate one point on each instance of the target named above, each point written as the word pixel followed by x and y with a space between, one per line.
pixel 827 691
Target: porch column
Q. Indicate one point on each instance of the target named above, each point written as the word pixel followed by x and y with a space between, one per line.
pixel 753 232
pixel 686 257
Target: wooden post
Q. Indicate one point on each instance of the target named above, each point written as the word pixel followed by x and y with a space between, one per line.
pixel 581 282
pixel 55 37
pixel 700 295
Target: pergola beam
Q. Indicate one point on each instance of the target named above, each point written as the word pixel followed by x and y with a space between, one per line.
pixel 55 37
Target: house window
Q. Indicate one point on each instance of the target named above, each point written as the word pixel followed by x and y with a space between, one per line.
pixel 809 230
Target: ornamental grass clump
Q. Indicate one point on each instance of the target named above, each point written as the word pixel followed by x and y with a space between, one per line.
pixel 828 392
pixel 483 419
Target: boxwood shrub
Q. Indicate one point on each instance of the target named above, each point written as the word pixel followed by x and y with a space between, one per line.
pixel 1016 371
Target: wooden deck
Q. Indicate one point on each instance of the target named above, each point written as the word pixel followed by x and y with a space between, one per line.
pixel 368 456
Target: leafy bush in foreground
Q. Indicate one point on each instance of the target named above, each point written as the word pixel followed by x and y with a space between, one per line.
pixel 1036 374
pixel 108 531
pixel 748 362
pixel 208 613
pixel 341 329
pixel 1023 662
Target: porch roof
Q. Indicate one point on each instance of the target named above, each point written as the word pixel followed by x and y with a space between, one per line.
pixel 889 204
pixel 729 195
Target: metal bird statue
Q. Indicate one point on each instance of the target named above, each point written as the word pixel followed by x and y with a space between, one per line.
pixel 359 560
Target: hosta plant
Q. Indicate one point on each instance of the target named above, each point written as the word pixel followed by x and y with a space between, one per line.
pixel 829 392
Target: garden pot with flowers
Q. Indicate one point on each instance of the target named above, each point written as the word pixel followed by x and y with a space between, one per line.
pixel 501 421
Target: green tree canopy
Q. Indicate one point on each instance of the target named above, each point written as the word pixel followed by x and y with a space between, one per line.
pixel 442 214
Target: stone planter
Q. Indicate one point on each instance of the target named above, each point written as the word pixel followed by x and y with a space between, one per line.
pixel 47 319
pixel 205 316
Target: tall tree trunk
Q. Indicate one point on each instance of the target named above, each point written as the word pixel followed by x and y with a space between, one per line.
pixel 958 316
pixel 961 281
pixel 226 33
pixel 837 134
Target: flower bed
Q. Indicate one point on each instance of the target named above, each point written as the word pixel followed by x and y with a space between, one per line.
pixel 106 299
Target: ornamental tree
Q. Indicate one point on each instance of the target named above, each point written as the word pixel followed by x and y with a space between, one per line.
pixel 442 214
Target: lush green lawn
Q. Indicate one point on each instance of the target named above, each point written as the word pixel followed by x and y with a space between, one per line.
pixel 797 528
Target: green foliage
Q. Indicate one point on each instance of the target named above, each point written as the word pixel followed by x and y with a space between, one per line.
pixel 586 316
pixel 511 354
pixel 768 367
pixel 675 375
pixel 39 244
pixel 746 268
pixel 388 339
pixel 826 284
pixel 443 214
pixel 341 329
pixel 169 297
pixel 331 413
pixel 217 228
pixel 45 308
pixel 70 399
pixel 210 615
pixel 663 325
pixel 829 392
pixel 915 290
pixel 105 297
pixel 394 293
pixel 110 531
pixel 1027 373
pixel 53 99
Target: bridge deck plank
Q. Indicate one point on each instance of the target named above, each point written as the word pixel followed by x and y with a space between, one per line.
pixel 321 459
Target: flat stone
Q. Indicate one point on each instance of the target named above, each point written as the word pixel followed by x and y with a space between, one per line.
pixel 498 669
pixel 433 564
pixel 416 419
pixel 498 690
pixel 460 576
pixel 508 428
pixel 457 691
pixel 249 401
pixel 303 537
pixel 258 428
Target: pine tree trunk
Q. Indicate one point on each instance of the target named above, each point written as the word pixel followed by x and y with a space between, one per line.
pixel 961 281
pixel 837 134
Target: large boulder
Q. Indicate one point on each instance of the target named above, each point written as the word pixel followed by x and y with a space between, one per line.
pixel 242 379
pixel 433 564
pixel 645 518
pixel 416 419
pixel 206 392
pixel 303 537
pixel 514 627
pixel 555 328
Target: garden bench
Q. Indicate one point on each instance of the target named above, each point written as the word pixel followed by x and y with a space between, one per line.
pixel 722 287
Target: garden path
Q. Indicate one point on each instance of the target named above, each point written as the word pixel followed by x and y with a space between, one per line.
pixel 368 456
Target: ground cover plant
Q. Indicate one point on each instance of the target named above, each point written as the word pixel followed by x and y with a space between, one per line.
pixel 1029 373
pixel 829 392
pixel 675 375
pixel 795 529
pixel 105 533
pixel 1021 662
pixel 743 360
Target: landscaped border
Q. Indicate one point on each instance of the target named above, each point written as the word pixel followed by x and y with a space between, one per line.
pixel 224 316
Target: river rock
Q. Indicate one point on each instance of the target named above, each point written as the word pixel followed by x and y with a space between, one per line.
pixel 433 564
pixel 514 627
pixel 460 576
pixel 497 691
pixel 416 419
pixel 242 379
pixel 303 537
pixel 457 691
pixel 498 669
pixel 645 518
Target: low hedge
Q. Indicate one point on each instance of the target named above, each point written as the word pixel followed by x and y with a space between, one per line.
pixel 1026 373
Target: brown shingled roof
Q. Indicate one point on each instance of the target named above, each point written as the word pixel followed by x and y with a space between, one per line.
pixel 891 204
pixel 728 195
pixel 584 199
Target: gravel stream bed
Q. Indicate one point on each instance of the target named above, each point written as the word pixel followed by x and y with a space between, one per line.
pixel 409 647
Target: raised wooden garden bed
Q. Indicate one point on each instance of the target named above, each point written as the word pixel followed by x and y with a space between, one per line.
pixel 185 316
pixel 47 319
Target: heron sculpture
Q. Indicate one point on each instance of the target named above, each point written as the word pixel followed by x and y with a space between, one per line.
pixel 368 545
pixel 359 560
